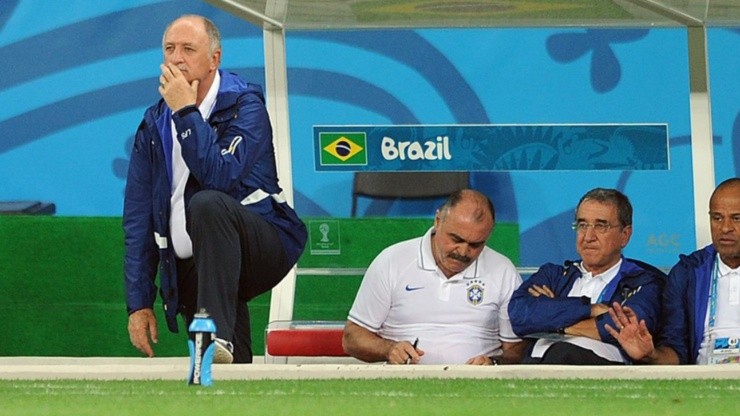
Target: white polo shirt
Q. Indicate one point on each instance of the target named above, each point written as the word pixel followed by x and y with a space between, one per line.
pixel 404 296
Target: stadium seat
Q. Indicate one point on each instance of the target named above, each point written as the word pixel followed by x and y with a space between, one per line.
pixel 406 185
pixel 27 208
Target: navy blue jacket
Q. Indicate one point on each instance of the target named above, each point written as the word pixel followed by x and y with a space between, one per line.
pixel 685 304
pixel 231 152
pixel 637 285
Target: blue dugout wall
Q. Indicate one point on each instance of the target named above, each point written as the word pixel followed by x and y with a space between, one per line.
pixel 76 77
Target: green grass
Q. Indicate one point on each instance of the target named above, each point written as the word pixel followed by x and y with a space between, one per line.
pixel 372 397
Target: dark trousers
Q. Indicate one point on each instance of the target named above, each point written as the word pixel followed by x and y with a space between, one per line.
pixel 237 255
pixel 567 353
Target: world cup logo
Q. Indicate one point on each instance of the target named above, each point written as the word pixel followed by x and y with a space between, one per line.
pixel 324 230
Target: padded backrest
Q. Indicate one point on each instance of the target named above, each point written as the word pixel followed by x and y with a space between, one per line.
pixel 406 185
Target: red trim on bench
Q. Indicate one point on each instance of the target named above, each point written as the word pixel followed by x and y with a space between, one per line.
pixel 305 343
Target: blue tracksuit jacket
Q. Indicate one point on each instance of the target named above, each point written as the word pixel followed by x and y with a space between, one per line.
pixel 637 285
pixel 685 304
pixel 231 152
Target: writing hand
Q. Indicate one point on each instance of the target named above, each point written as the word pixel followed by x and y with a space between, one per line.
pixel 403 352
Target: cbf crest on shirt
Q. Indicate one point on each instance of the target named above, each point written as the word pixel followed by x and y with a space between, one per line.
pixel 475 290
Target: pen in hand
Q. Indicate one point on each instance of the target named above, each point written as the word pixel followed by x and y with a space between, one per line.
pixel 416 343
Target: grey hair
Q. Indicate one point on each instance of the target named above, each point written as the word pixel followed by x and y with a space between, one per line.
pixel 214 35
pixel 613 197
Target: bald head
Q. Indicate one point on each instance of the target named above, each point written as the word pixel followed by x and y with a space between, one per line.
pixel 724 221
pixel 461 228
pixel 481 206
pixel 729 184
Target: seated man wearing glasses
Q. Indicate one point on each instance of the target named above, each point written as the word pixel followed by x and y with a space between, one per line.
pixel 566 307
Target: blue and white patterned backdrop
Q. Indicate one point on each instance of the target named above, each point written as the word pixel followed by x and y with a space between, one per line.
pixel 76 76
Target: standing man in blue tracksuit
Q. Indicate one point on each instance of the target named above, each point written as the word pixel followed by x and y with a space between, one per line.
pixel 203 207
pixel 566 307
pixel 701 300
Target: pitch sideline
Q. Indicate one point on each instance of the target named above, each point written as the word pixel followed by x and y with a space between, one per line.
pixel 107 368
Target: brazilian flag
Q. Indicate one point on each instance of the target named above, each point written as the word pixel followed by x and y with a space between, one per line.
pixel 343 148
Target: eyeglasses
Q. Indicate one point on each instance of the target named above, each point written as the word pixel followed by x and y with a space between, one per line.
pixel 599 227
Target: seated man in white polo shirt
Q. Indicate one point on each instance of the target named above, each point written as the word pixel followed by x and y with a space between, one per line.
pixel 438 299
